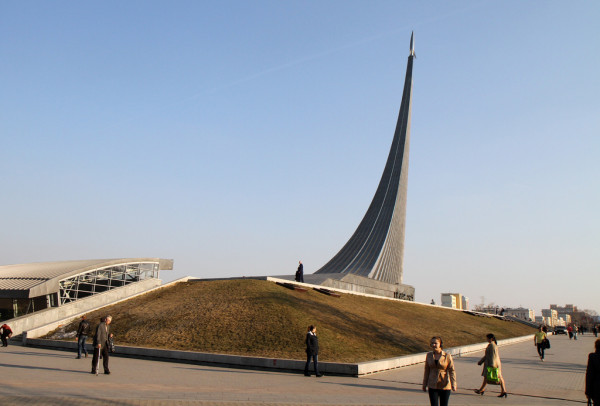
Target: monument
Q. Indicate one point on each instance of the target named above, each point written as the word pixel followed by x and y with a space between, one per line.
pixel 372 259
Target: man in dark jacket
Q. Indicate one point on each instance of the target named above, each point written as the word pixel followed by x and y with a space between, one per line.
pixel 82 333
pixel 592 375
pixel 300 272
pixel 312 351
pixel 101 345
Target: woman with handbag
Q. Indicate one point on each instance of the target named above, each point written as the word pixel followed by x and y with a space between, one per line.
pixel 439 376
pixel 492 367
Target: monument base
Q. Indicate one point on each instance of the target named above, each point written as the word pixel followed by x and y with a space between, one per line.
pixel 359 284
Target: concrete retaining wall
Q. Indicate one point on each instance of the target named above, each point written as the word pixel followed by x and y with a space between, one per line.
pixel 331 368
pixel 392 363
pixel 89 305
pixel 36 319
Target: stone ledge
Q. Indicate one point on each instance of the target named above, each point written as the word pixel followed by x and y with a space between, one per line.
pixel 332 368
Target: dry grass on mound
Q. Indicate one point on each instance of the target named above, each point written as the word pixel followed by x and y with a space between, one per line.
pixel 260 318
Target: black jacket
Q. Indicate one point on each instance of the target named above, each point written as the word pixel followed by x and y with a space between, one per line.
pixel 592 377
pixel 84 328
pixel 312 344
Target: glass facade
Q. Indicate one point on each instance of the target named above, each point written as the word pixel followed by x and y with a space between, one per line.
pixel 103 279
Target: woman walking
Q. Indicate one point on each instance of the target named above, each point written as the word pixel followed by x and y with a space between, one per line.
pixel 491 359
pixel 538 340
pixel 592 375
pixel 439 376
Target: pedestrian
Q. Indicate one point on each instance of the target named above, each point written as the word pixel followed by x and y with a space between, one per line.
pixel 570 331
pixel 101 345
pixel 5 334
pixel 300 272
pixel 538 340
pixel 312 351
pixel 491 359
pixel 82 333
pixel 439 376
pixel 592 375
pixel 595 331
pixel 575 330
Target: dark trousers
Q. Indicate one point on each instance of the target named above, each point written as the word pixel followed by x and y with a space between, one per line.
pixel 540 348
pixel 315 361
pixel 4 340
pixel 97 351
pixel 81 346
pixel 439 397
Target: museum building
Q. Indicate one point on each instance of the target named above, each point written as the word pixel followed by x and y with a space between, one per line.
pixel 28 288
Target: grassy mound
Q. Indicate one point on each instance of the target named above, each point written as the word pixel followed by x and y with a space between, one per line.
pixel 260 318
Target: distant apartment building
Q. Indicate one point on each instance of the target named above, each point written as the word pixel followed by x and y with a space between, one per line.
pixel 455 301
pixel 551 317
pixel 465 303
pixel 565 312
pixel 449 300
pixel 520 313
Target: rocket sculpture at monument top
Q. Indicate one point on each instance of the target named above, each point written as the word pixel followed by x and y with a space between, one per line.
pixel 376 249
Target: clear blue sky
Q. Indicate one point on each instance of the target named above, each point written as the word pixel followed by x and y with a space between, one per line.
pixel 238 137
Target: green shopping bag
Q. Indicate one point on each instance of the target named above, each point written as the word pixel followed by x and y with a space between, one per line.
pixel 491 375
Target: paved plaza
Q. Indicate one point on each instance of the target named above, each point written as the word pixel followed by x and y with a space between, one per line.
pixel 37 376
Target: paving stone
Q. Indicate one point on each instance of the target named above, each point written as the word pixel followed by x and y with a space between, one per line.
pixel 34 376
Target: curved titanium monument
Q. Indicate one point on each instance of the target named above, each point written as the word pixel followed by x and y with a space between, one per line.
pixel 371 260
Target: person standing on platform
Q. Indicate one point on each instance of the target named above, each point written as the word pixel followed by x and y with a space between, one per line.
pixel 5 334
pixel 300 272
pixel 491 359
pixel 538 340
pixel 101 345
pixel 592 375
pixel 439 376
pixel 82 333
pixel 312 351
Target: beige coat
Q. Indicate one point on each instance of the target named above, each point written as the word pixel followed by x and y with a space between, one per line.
pixel 441 375
pixel 491 359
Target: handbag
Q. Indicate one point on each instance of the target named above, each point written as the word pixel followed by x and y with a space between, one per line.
pixel 111 344
pixel 491 375
pixel 546 343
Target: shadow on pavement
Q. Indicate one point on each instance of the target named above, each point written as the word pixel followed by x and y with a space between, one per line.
pixel 378 387
pixel 43 368
pixel 220 369
pixel 41 354
pixel 535 363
